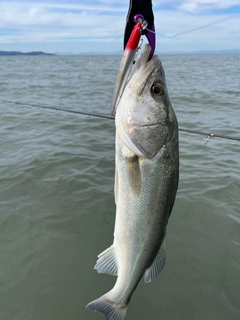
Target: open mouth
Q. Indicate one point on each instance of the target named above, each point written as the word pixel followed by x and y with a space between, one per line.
pixel 142 59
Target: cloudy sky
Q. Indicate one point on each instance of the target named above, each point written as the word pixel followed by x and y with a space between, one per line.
pixel 98 25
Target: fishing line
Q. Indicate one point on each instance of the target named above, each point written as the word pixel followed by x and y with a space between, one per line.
pixel 57 109
pixel 209 135
pixel 197 28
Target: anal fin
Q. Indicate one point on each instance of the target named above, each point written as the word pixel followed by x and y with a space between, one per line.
pixel 157 265
pixel 106 262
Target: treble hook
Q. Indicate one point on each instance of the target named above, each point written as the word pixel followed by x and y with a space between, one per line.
pixel 208 138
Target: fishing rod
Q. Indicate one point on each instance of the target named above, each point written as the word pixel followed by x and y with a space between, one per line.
pixel 209 135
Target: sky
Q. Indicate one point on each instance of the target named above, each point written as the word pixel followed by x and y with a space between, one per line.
pixel 91 25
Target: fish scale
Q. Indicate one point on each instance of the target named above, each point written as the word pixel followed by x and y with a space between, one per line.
pixel 146 181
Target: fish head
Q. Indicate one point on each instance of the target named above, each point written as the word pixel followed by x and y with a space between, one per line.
pixel 144 116
pixel 148 90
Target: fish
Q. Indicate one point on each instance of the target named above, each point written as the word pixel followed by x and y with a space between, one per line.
pixel 146 182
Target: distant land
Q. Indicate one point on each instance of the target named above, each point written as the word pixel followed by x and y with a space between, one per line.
pixel 19 53
pixel 119 52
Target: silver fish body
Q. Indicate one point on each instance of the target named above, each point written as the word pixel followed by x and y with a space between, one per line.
pixel 146 182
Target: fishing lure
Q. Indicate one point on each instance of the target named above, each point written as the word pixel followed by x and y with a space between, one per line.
pixel 136 26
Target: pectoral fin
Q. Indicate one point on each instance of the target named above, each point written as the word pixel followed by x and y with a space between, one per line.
pixel 157 265
pixel 134 175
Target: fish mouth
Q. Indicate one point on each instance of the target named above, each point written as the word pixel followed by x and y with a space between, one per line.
pixel 128 70
pixel 142 71
pixel 142 59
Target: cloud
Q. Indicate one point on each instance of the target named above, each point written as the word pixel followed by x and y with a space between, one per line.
pixel 103 22
pixel 43 14
pixel 196 6
pixel 49 22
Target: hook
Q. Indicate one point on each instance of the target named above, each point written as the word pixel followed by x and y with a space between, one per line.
pixel 208 138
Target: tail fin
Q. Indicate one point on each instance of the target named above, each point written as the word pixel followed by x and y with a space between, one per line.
pixel 109 309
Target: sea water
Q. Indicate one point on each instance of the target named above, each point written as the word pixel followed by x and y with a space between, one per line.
pixel 57 205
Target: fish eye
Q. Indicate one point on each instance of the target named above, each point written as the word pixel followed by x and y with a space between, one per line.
pixel 157 90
